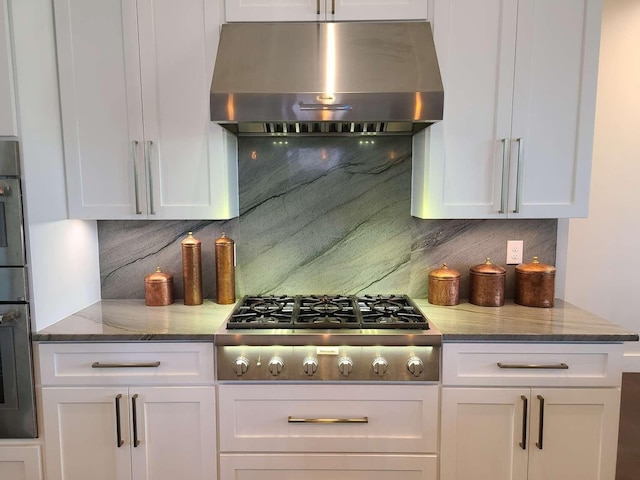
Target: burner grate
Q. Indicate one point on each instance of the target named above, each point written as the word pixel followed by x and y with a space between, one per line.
pixel 263 312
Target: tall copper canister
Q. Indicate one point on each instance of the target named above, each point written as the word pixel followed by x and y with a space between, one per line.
pixel 444 286
pixel 535 284
pixel 158 289
pixel 192 270
pixel 225 270
pixel 487 284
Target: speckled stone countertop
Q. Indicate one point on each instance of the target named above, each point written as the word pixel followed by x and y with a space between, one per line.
pixel 132 320
pixel 515 323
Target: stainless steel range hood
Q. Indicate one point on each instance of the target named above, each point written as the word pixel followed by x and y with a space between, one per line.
pixel 326 78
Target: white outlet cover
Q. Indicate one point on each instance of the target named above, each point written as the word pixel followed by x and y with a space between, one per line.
pixel 514 251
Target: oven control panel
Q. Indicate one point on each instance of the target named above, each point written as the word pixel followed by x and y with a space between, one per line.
pixel 329 363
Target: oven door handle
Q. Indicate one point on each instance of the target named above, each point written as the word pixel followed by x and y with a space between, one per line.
pixel 328 421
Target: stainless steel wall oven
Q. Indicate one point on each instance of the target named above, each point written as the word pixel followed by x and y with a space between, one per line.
pixel 17 401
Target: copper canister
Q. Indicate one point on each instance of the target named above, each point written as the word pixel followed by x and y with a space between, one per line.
pixel 225 270
pixel 444 286
pixel 158 289
pixel 535 284
pixel 192 270
pixel 487 284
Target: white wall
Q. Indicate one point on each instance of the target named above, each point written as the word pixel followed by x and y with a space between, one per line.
pixel 603 251
pixel 62 254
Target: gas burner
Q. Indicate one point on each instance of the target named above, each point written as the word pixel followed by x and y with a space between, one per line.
pixel 390 311
pixel 262 312
pixel 326 311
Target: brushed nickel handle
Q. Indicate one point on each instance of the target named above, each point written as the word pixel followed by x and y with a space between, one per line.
pixel 119 441
pixel 541 424
pixel 136 186
pixel 125 365
pixel 525 405
pixel 134 412
pixel 505 179
pixel 152 204
pixel 327 421
pixel 318 7
pixel 519 175
pixel 333 7
pixel 555 366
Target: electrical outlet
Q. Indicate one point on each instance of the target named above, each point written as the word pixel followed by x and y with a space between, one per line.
pixel 514 251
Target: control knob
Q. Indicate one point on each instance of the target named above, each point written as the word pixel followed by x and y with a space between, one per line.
pixel 241 365
pixel 276 364
pixel 379 366
pixel 310 365
pixel 345 366
pixel 415 366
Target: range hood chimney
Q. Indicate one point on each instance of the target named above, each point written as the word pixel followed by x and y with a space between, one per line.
pixel 353 78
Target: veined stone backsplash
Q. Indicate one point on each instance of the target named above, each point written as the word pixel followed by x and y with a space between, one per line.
pixel 320 215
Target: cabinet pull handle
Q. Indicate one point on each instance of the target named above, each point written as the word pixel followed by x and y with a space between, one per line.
pixel 328 421
pixel 333 7
pixel 525 405
pixel 555 366
pixel 136 187
pixel 318 7
pixel 125 365
pixel 504 177
pixel 519 175
pixel 134 415
pixel 541 424
pixel 152 205
pixel 119 441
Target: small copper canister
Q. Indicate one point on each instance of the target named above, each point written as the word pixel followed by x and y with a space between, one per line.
pixel 535 284
pixel 225 271
pixel 487 284
pixel 444 286
pixel 158 289
pixel 192 270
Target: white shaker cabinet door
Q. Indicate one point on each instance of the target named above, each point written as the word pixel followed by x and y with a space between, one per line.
pixel 22 462
pixel 8 123
pixel 274 10
pixel 101 101
pixel 554 107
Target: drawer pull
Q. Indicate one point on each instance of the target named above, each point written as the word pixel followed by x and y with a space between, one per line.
pixel 555 366
pixel 119 441
pixel 525 406
pixel 125 365
pixel 328 420
pixel 541 424
pixel 134 412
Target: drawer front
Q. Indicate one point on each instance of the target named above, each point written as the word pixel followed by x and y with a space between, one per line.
pixel 125 363
pixel 328 467
pixel 527 364
pixel 328 418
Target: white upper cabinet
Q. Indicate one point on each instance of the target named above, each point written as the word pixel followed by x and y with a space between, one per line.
pixel 520 86
pixel 134 86
pixel 323 10
pixel 8 124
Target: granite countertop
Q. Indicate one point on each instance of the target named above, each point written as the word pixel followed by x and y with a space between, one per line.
pixel 132 320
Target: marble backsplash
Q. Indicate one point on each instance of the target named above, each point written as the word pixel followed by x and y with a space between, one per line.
pixel 320 215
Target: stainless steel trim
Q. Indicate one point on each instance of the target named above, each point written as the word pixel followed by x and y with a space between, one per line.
pixel 119 441
pixel 554 366
pixel 126 365
pixel 519 175
pixel 11 230
pixel 541 422
pixel 134 417
pixel 136 186
pixel 328 421
pixel 505 178
pixel 525 406
pixel 305 107
pixel 14 284
pixel 152 205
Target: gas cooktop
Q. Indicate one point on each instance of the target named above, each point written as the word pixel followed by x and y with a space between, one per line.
pixel 301 312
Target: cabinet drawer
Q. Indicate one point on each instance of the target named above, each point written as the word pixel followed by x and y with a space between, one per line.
pixel 125 363
pixel 302 418
pixel 527 364
pixel 328 467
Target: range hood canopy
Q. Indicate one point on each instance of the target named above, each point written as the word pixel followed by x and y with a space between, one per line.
pixel 326 78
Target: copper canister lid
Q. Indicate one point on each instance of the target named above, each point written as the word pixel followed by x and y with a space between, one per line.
pixel 444 273
pixel 536 267
pixel 158 277
pixel 224 240
pixel 190 241
pixel 487 268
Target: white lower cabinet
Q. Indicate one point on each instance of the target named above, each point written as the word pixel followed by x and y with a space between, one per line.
pixel 20 462
pixel 322 432
pixel 142 430
pixel 528 433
